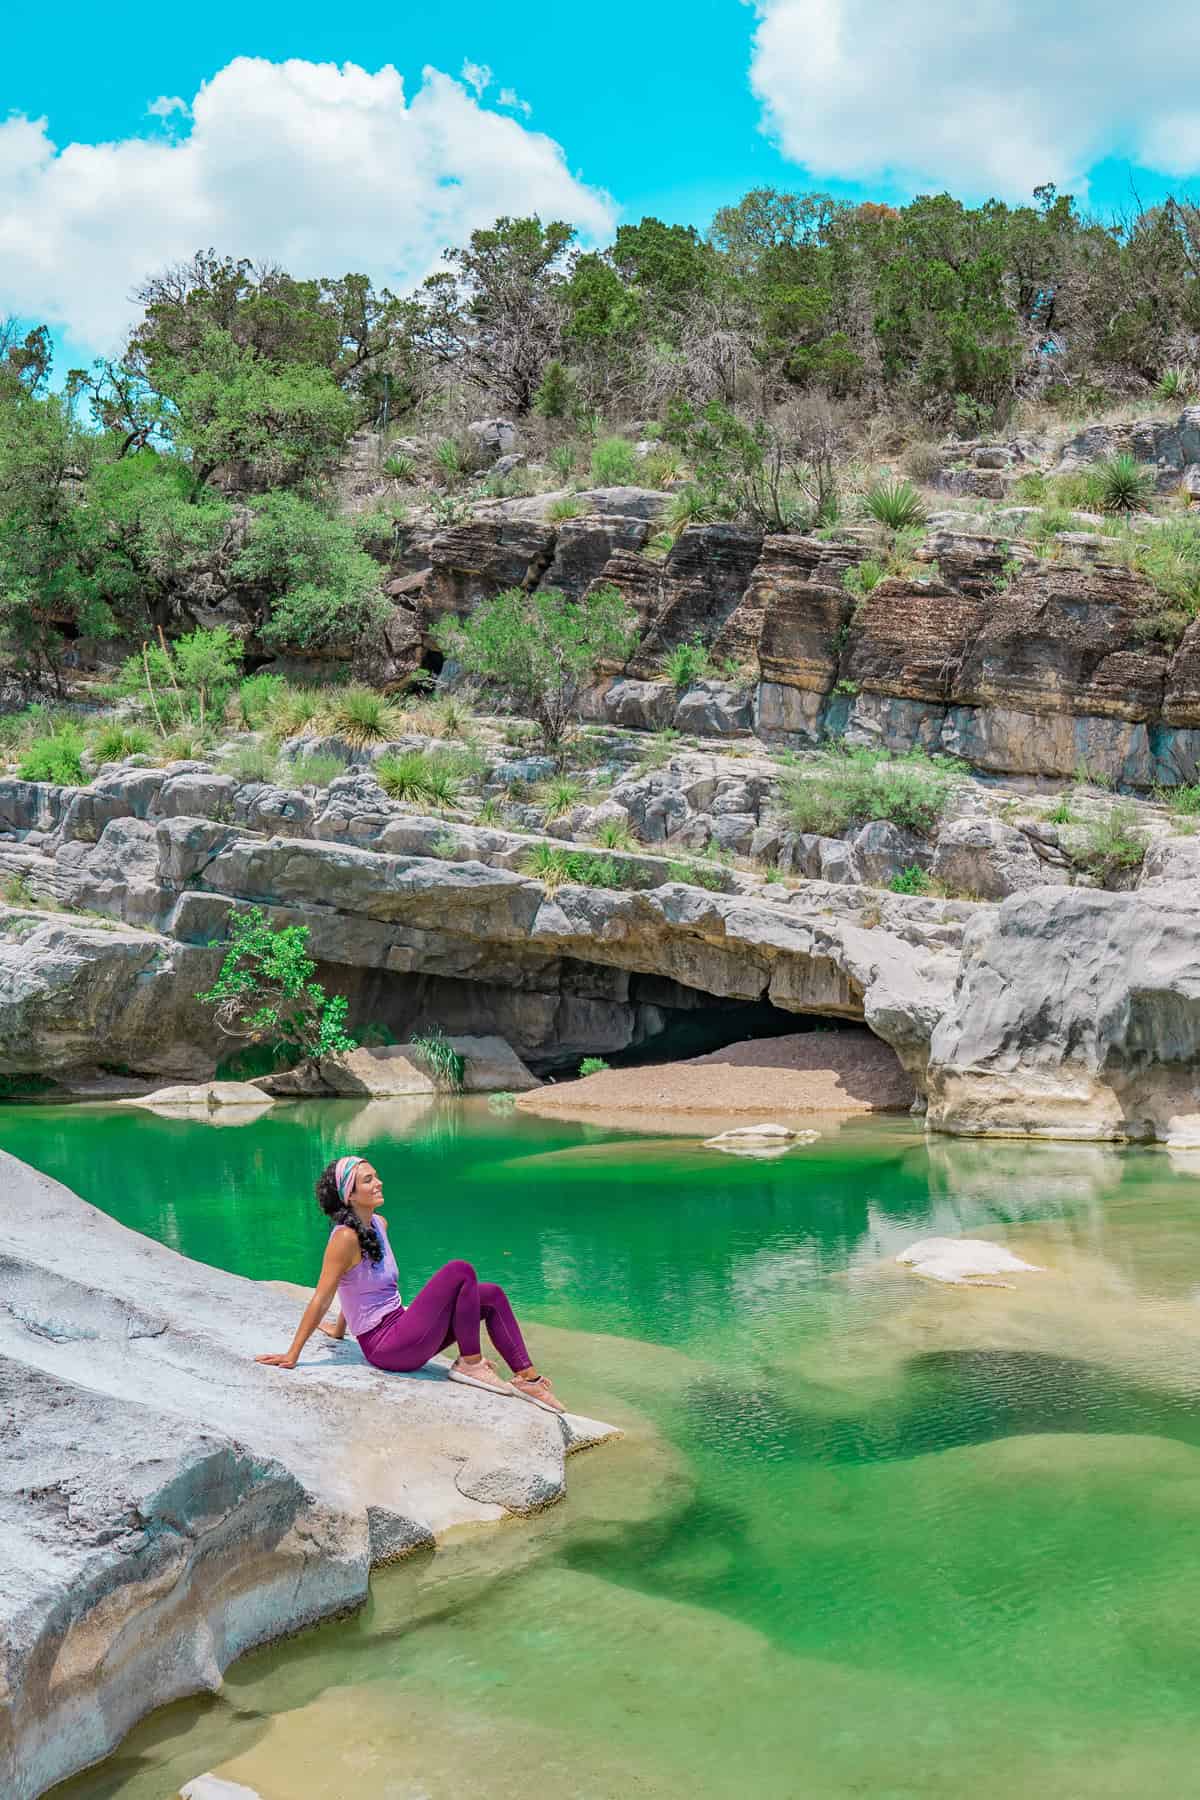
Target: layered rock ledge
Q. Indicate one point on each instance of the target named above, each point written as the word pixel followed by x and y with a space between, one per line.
pixel 166 1503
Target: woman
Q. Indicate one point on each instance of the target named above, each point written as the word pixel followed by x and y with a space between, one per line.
pixel 360 1267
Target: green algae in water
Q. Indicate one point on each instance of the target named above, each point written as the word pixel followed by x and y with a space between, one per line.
pixel 866 1537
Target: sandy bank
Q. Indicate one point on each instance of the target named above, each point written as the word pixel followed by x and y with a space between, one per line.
pixel 809 1072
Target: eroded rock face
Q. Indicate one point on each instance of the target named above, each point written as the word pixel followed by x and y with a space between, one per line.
pixel 166 1502
pixel 1077 1014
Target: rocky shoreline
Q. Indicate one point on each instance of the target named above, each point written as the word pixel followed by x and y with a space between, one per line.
pixel 167 1503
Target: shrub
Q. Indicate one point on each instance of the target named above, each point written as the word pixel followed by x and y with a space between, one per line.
pixel 321 586
pixel 922 461
pixel 895 504
pixel 399 466
pixel 1169 557
pixel 317 770
pixel 562 460
pixel 54 758
pixel 697 874
pixel 1060 813
pixel 187 743
pixel 556 866
pixel 17 891
pixel 912 880
pixel 362 716
pixel 593 1065
pixel 693 505
pixel 1125 485
pixel 864 577
pixel 660 467
pixel 1184 801
pixel 257 698
pixel 614 463
pixel 421 777
pixel 295 710
pixel 1051 522
pixel 559 796
pixel 191 678
pixel 556 392
pixel 518 733
pixel 542 649
pixel 115 741
pixel 686 663
pixel 1113 842
pixel 566 508
pixel 447 1065
pixel 252 762
pixel 265 992
pixel 490 812
pixel 852 787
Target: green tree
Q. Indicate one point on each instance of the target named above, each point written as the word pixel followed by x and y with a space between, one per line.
pixel 316 585
pixel 495 314
pixel 541 650
pixel 265 992
pixel 193 677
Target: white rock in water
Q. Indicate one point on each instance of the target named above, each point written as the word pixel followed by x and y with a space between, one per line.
pixel 211 1787
pixel 743 1133
pixel 967 1262
pixel 760 1152
pixel 205 1094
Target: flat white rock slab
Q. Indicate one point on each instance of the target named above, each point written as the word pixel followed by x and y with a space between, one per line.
pixel 965 1262
pixel 211 1787
pixel 759 1140
pixel 204 1095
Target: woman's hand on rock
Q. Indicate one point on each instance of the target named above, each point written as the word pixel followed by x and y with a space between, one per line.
pixel 286 1361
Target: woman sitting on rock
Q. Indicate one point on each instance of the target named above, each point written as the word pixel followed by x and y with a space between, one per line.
pixel 360 1268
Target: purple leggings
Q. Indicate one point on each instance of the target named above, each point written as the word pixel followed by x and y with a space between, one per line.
pixel 447 1310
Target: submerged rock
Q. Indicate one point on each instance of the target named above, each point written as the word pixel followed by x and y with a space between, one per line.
pixel 965 1262
pixel 166 1502
pixel 205 1096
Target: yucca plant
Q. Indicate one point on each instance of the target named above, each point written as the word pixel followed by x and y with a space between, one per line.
pixel 399 466
pixel 294 710
pixel 1176 384
pixel 420 778
pixel 560 795
pixel 566 508
pixel 362 716
pixel 692 505
pixel 447 1065
pixel 449 459
pixel 615 834
pixel 894 504
pixel 116 740
pixel 864 577
pixel 1124 484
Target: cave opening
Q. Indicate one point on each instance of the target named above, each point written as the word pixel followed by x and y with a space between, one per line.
pixel 714 1024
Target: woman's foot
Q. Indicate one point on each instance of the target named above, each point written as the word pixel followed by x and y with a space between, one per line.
pixel 539 1389
pixel 480 1374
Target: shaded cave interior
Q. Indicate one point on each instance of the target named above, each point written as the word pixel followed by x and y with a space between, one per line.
pixel 566 1011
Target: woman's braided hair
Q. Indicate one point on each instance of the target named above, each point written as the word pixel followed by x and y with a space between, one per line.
pixel 332 1204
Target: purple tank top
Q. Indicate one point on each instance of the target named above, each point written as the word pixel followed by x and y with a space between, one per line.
pixel 370 1292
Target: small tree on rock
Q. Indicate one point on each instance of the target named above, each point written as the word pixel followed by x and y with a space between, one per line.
pixel 265 992
pixel 541 650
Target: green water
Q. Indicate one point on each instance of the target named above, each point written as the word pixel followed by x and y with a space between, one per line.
pixel 865 1537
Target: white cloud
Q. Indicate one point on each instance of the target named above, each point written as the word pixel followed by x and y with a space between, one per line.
pixel 166 104
pixel 476 75
pixel 510 97
pixel 318 167
pixel 985 97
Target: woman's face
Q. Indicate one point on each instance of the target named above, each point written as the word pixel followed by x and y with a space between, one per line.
pixel 367 1190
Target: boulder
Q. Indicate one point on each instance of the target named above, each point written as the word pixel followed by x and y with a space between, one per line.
pixel 208 1096
pixel 883 850
pixel 585 545
pixel 1076 1015
pixel 987 859
pixel 397 1070
pixel 492 438
pixel 166 1503
pixel 714 709
pixel 640 705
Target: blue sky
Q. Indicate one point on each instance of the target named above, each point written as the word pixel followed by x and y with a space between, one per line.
pixel 672 107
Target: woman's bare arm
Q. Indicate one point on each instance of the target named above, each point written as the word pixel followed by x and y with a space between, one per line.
pixel 341 1254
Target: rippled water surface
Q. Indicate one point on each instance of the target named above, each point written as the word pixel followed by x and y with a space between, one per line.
pixel 866 1536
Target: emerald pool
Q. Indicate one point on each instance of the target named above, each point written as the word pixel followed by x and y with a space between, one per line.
pixel 866 1536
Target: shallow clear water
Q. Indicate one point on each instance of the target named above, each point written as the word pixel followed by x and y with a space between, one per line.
pixel 866 1536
